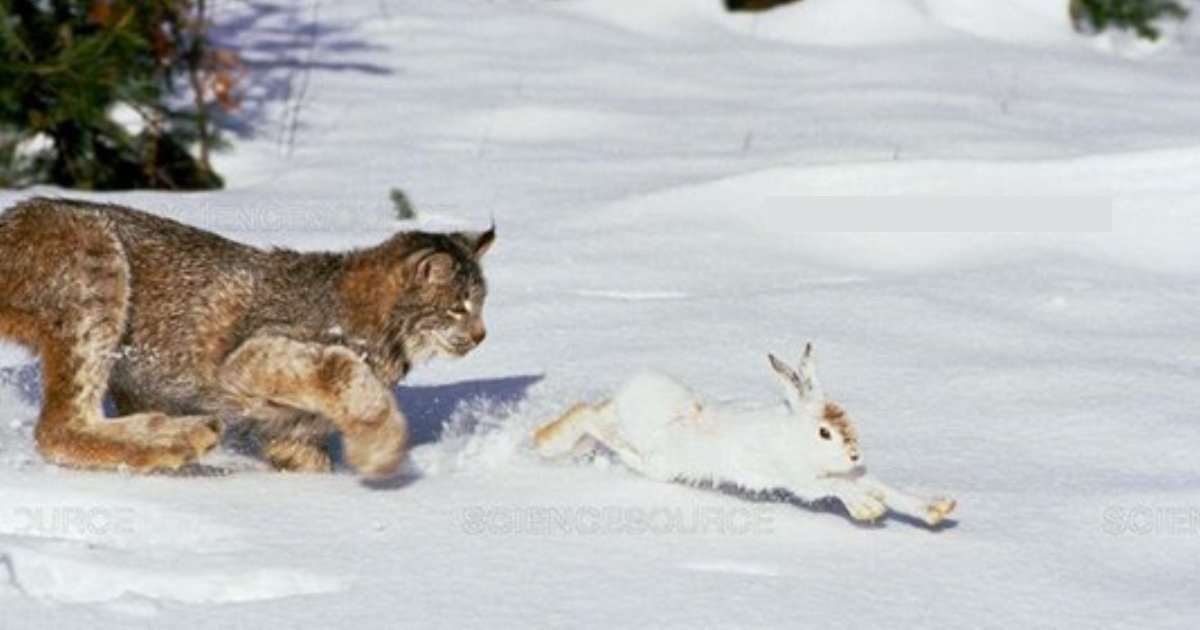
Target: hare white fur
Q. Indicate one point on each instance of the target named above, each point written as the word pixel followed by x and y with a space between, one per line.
pixel 661 429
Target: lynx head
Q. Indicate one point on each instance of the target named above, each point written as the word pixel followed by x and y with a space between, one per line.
pixel 825 428
pixel 446 316
pixel 418 295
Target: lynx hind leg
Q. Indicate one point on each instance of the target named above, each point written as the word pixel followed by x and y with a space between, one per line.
pixel 77 354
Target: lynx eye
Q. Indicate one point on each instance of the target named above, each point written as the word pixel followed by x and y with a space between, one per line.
pixel 825 434
pixel 458 312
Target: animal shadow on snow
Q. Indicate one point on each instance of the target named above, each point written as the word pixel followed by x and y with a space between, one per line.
pixel 26 379
pixel 428 408
pixel 824 506
pixel 280 45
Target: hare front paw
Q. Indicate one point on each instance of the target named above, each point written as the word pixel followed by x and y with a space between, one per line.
pixel 863 507
pixel 938 510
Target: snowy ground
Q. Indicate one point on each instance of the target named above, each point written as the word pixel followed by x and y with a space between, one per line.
pixel 624 148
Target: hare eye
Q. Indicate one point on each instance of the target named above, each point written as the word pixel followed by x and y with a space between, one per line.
pixel 825 434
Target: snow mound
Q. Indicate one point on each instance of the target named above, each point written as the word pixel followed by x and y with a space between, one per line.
pixel 528 123
pixel 844 23
pixel 851 22
pixel 765 205
pixel 80 572
pixel 660 18
pixel 481 436
pixel 1012 21
pixel 12 355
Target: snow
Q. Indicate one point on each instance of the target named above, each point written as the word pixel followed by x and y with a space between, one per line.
pixel 632 155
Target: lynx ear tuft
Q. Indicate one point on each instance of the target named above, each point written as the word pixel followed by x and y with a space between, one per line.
pixel 479 242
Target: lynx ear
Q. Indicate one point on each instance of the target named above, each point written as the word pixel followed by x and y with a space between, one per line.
pixel 479 242
pixel 431 267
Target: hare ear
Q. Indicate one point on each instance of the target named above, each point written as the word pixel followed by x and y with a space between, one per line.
pixel 791 381
pixel 809 385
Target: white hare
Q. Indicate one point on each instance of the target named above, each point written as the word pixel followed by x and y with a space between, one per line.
pixel 661 429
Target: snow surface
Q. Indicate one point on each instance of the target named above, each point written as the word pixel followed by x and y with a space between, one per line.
pixel 1046 381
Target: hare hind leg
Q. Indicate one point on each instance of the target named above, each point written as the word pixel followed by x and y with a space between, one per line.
pixel 579 430
pixel 567 435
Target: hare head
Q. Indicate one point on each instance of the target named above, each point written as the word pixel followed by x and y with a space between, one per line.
pixel 835 443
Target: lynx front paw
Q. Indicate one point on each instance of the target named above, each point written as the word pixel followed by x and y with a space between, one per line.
pixel 377 452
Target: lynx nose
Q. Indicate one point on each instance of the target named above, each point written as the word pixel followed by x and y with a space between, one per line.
pixel 478 334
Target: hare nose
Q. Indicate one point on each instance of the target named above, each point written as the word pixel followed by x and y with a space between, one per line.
pixel 854 458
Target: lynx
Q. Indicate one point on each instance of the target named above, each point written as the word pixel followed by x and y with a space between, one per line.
pixel 185 330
